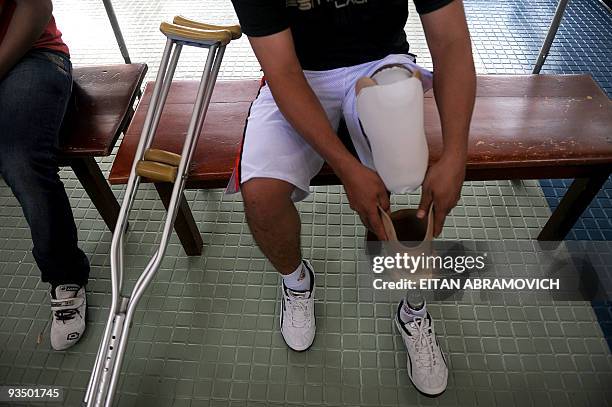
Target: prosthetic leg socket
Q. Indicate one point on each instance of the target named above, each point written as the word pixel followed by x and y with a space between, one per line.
pixel 390 108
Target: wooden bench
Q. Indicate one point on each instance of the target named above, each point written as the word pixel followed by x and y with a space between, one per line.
pixel 524 127
pixel 100 109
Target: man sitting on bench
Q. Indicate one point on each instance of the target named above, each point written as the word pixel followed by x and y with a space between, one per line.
pixel 312 53
pixel 35 86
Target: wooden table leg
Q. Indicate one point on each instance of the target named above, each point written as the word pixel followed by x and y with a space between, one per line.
pixel 576 200
pixel 89 174
pixel 185 225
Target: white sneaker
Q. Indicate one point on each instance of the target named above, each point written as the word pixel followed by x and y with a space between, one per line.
pixel 68 306
pixel 427 366
pixel 297 319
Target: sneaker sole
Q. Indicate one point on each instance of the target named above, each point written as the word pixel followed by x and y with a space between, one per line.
pixel 296 350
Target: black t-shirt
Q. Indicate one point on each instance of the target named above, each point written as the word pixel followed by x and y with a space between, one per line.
pixel 331 34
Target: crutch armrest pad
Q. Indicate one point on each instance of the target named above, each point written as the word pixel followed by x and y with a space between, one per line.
pixel 179 32
pixel 156 171
pixel 233 29
pixel 162 156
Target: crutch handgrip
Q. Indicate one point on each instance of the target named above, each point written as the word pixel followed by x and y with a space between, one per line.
pixel 234 29
pixel 156 171
pixel 195 35
pixel 162 156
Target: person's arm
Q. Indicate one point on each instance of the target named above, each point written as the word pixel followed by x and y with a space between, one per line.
pixel 454 81
pixel 27 25
pixel 301 108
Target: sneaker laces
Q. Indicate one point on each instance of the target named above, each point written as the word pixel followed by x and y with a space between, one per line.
pixel 300 309
pixel 65 309
pixel 65 315
pixel 424 344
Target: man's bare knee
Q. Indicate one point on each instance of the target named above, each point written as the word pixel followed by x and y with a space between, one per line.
pixel 264 198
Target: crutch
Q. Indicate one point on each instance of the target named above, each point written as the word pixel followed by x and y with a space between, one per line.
pixel 550 36
pixel 159 166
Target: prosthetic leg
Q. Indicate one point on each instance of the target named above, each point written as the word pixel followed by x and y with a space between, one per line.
pixel 390 108
pixel 159 166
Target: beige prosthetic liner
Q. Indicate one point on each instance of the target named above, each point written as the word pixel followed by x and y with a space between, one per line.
pixel 408 235
pixel 390 108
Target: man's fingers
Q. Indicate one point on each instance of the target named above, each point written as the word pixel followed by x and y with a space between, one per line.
pixel 426 199
pixel 439 218
pixel 365 222
pixel 383 201
pixel 376 225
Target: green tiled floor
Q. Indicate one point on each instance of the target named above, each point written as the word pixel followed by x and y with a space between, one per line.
pixel 206 332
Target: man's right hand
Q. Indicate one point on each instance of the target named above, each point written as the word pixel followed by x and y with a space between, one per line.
pixel 366 192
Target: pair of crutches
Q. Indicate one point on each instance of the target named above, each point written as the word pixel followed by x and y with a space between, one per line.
pixel 159 166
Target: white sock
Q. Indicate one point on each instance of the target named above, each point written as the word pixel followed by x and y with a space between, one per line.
pixel 408 313
pixel 299 280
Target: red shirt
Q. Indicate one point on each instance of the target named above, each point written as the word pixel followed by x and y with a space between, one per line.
pixel 51 38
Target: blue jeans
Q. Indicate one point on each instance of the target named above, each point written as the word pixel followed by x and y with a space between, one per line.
pixel 33 100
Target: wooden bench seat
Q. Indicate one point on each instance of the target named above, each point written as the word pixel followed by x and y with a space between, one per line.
pixel 100 109
pixel 524 127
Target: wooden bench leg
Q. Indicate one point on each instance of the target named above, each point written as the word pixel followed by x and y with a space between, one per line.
pixel 89 174
pixel 185 225
pixel 576 200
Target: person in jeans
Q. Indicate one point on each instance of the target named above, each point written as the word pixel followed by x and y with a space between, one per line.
pixel 312 53
pixel 35 87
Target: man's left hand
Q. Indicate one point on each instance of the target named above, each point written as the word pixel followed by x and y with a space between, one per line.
pixel 442 188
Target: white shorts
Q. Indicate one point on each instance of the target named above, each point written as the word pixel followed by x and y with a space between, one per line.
pixel 271 148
